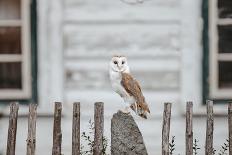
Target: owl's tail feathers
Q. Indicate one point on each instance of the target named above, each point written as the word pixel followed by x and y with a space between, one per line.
pixel 145 107
pixel 141 109
pixel 143 115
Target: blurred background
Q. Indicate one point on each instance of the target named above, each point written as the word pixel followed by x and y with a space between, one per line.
pixel 59 50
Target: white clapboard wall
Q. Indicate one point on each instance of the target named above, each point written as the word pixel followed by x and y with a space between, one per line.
pixel 148 34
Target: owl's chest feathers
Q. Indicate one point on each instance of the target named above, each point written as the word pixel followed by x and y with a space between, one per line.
pixel 116 78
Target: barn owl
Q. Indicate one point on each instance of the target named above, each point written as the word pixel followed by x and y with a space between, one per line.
pixel 127 87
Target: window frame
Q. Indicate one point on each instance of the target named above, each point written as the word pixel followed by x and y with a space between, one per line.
pixel 29 46
pixel 210 54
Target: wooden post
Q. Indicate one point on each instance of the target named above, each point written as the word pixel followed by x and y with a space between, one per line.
pixel 12 129
pixel 31 137
pixel 230 127
pixel 76 129
pixel 209 129
pixel 166 128
pixel 57 135
pixel 189 129
pixel 99 127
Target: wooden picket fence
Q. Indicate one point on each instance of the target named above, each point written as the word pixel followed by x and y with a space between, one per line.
pixel 99 122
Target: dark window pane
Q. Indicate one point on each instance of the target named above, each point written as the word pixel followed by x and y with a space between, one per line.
pixel 225 74
pixel 10 75
pixel 10 9
pixel 225 39
pixel 225 8
pixel 10 40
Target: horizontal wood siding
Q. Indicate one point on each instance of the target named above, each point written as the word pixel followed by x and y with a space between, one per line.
pixel 148 34
pixel 111 10
pixel 135 40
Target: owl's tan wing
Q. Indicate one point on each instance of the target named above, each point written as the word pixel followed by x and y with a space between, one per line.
pixel 133 89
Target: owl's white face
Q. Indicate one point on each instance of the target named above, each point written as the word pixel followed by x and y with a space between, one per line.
pixel 119 64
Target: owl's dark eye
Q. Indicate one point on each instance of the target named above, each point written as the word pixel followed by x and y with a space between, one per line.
pixel 115 62
pixel 123 62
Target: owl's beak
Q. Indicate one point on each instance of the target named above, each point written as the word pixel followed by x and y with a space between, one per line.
pixel 120 68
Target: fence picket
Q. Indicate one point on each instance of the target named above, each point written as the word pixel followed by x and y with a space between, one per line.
pixel 166 128
pixel 189 129
pixel 57 135
pixel 209 150
pixel 99 127
pixel 76 129
pixel 12 129
pixel 230 127
pixel 31 137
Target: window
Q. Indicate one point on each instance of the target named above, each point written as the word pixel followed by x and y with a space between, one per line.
pixel 16 73
pixel 220 49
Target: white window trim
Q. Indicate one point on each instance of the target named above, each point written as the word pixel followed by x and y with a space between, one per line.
pixel 214 56
pixel 50 67
pixel 191 60
pixel 24 57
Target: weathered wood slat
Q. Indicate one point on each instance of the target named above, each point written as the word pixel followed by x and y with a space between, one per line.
pixel 166 128
pixel 91 11
pixel 12 130
pixel 99 127
pixel 57 135
pixel 76 129
pixel 230 127
pixel 31 137
pixel 209 129
pixel 87 49
pixel 189 129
